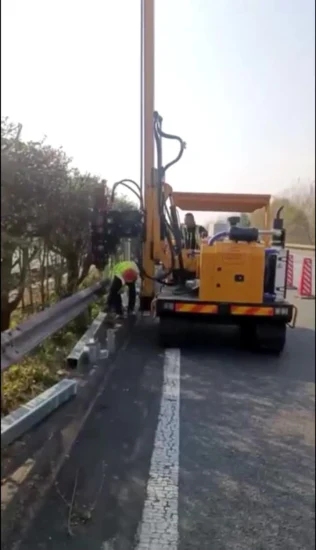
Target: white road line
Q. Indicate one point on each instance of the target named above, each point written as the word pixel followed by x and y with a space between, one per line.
pixel 159 527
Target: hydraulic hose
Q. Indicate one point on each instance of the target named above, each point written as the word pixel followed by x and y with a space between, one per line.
pixel 168 222
pixel 162 134
pixel 218 236
pixel 125 183
pixel 161 171
pixel 278 214
pixel 159 134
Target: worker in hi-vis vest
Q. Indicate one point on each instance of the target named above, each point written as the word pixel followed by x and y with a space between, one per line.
pixel 192 233
pixel 123 274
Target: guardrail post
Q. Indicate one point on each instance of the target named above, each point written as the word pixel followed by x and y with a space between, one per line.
pixel 87 350
pixel 127 249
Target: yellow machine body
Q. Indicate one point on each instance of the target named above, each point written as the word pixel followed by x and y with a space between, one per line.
pixel 232 272
pixel 223 274
pixel 211 202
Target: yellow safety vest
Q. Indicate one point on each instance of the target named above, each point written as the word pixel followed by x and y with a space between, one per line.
pixel 118 269
pixel 187 237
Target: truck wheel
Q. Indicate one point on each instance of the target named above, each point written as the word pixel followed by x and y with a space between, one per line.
pixel 165 333
pixel 271 337
pixel 247 335
pixel 172 332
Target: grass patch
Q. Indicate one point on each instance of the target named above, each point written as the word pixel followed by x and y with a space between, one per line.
pixel 30 377
pixel 46 366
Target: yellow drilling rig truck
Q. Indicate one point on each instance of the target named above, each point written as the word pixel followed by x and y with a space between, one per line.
pixel 238 277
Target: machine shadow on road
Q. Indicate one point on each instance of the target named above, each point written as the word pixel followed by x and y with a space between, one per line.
pixel 247 460
pixel 225 342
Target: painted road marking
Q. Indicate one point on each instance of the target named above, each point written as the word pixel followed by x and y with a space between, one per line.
pixel 11 484
pixel 159 526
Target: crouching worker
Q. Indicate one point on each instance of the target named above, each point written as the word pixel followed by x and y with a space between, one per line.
pixel 123 274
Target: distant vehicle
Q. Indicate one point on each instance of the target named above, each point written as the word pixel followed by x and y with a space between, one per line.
pixel 218 227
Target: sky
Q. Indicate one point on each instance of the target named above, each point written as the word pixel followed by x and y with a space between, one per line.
pixel 234 78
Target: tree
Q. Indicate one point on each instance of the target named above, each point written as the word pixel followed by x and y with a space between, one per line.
pixel 30 175
pixel 302 194
pixel 46 208
pixel 123 203
pixel 295 220
pixel 67 230
pixel 244 220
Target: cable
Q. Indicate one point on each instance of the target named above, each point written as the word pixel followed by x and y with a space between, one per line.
pixel 161 172
pixel 127 180
pixel 158 131
pixel 124 183
pixel 168 226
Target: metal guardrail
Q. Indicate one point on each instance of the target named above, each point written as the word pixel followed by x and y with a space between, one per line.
pixel 18 342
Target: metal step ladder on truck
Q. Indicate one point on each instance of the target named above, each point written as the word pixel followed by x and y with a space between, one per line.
pixel 238 277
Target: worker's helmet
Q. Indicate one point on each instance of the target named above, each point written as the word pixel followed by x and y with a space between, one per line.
pixel 130 276
pixel 189 218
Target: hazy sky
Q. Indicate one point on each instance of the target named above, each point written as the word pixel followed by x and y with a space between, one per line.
pixel 235 78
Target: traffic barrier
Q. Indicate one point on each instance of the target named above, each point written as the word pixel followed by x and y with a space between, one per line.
pixel 290 274
pixel 305 289
pixel 18 342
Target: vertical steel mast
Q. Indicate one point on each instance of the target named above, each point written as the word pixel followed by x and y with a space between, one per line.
pixel 147 140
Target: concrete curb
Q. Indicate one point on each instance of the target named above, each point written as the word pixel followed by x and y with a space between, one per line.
pixel 24 418
pixel 27 416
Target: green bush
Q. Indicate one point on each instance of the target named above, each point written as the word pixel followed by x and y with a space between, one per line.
pixel 46 366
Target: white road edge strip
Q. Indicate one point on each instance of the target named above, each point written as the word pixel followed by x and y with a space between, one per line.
pixel 159 527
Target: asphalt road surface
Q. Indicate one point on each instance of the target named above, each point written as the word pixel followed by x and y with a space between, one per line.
pixel 209 448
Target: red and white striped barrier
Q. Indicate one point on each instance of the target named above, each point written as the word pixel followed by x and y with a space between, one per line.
pixel 305 288
pixel 290 274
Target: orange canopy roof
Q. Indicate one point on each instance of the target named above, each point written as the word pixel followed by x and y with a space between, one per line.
pixel 220 202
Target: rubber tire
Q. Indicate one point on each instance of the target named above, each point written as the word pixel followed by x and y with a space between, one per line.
pixel 271 337
pixel 172 332
pixel 165 332
pixel 248 335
